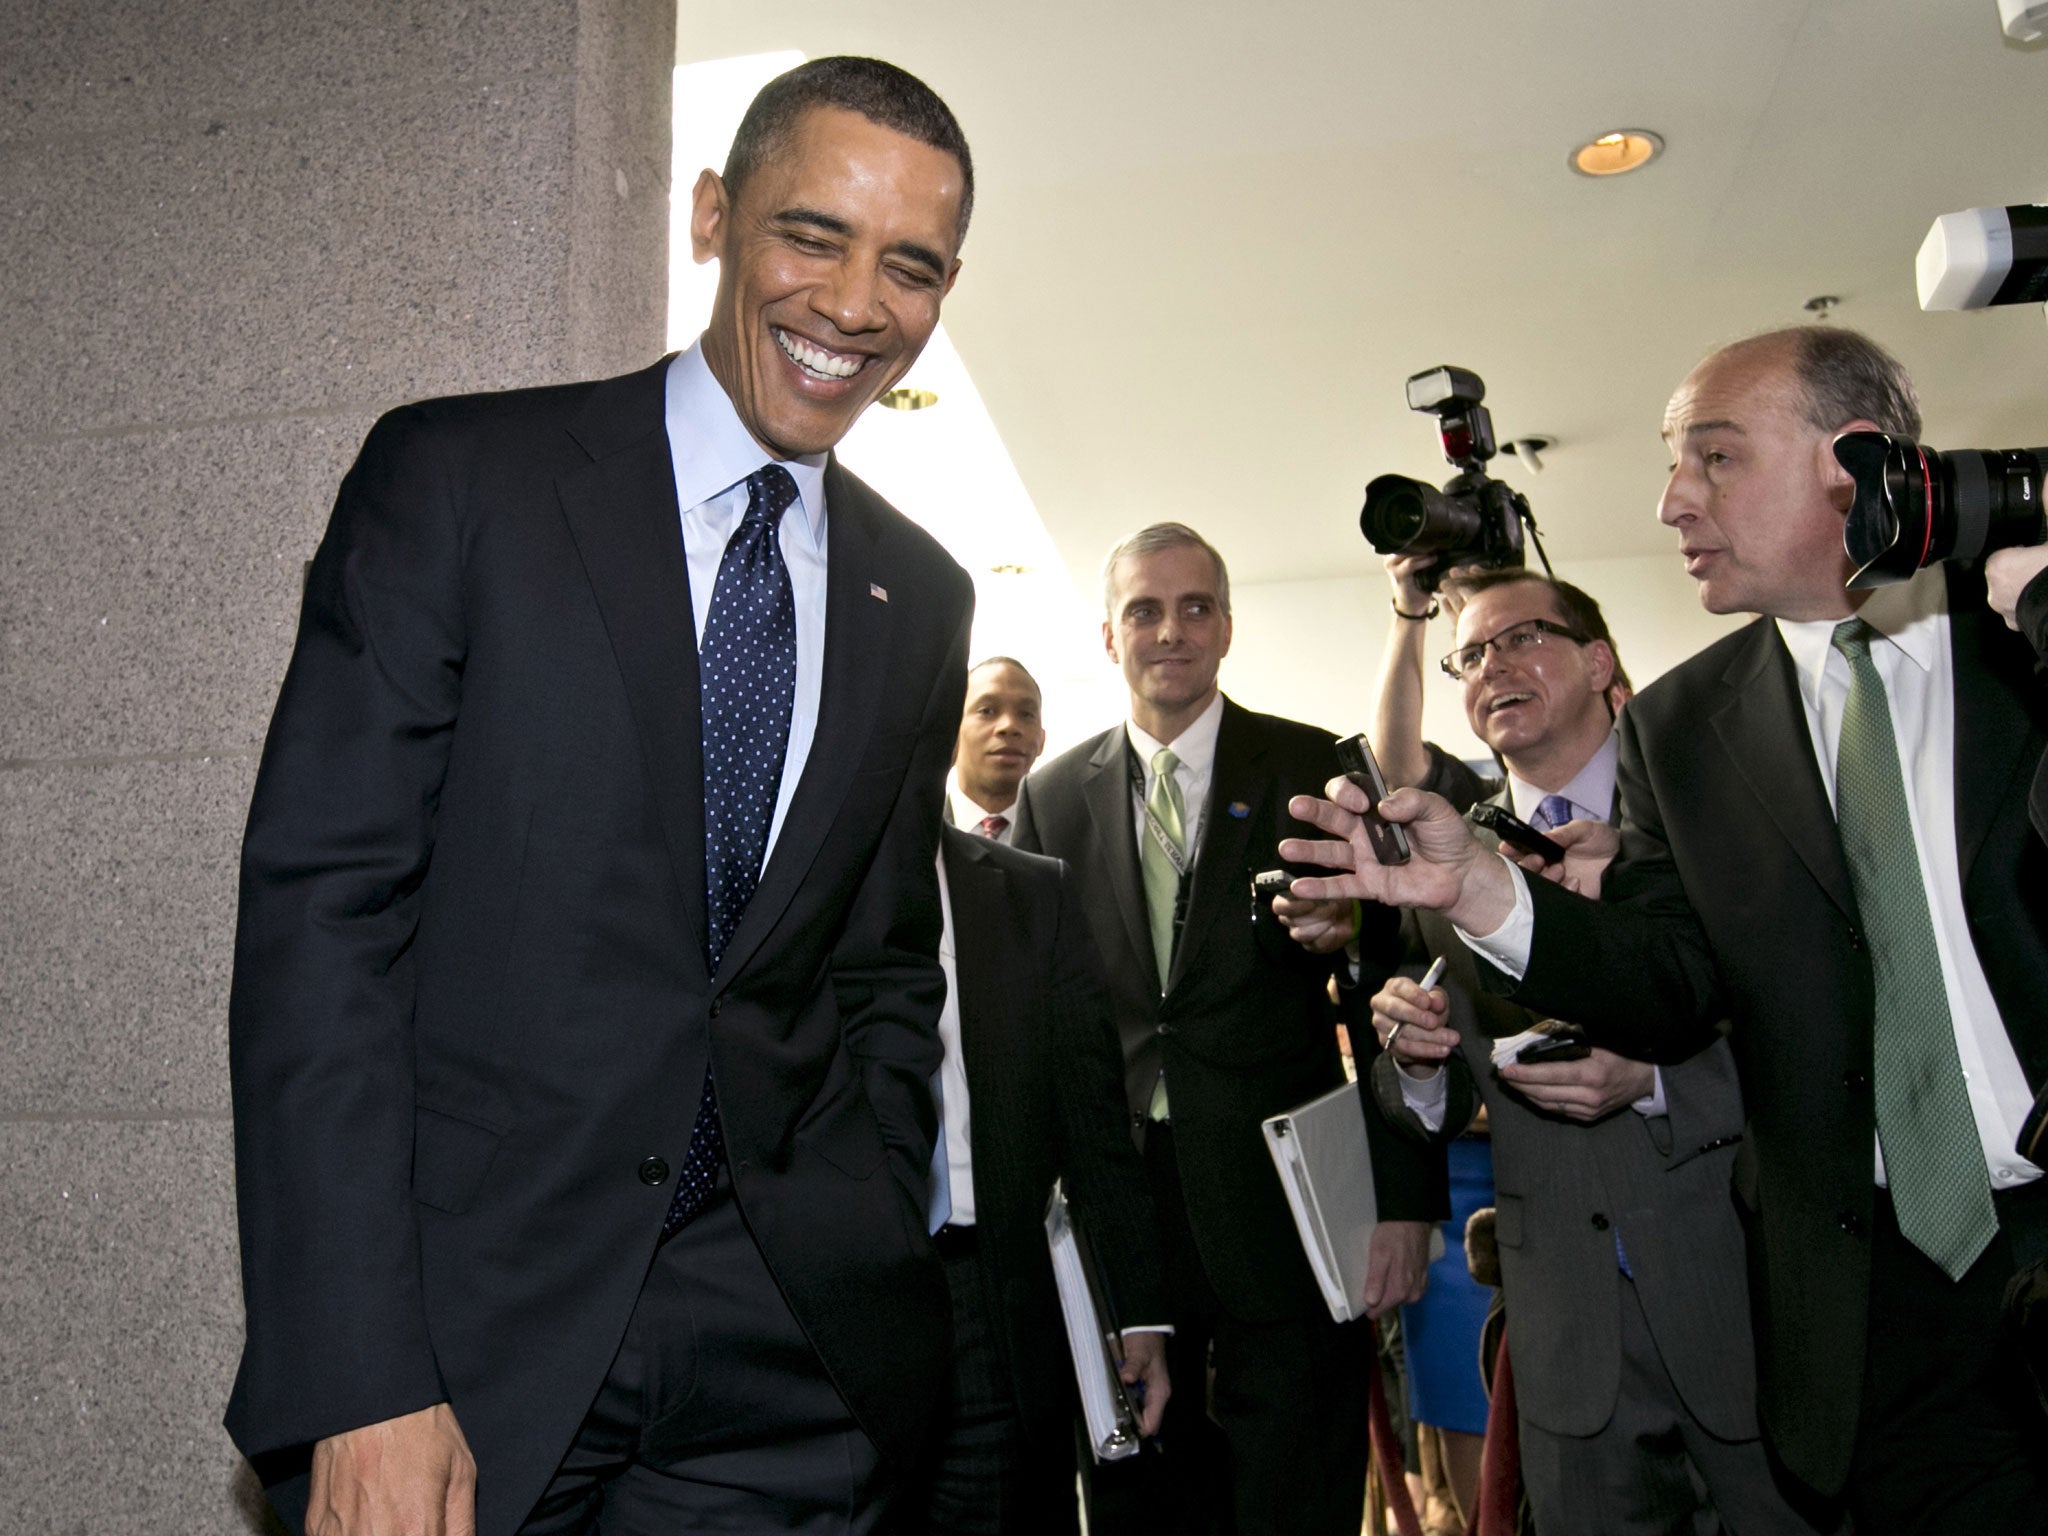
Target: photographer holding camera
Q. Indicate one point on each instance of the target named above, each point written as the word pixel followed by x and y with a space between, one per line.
pixel 2017 580
pixel 1825 842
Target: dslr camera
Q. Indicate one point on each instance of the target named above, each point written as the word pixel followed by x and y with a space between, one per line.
pixel 1474 519
pixel 1915 506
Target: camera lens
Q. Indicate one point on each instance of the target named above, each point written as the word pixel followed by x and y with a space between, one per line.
pixel 1410 517
pixel 1915 506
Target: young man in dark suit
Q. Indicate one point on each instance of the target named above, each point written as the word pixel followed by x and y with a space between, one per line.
pixel 1825 842
pixel 1621 1256
pixel 1030 1093
pixel 586 983
pixel 1225 1020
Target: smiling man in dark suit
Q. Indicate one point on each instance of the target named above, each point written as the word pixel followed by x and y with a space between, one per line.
pixel 1225 1019
pixel 586 982
pixel 1825 841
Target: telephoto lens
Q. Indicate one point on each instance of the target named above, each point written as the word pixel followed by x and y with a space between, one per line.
pixel 1915 506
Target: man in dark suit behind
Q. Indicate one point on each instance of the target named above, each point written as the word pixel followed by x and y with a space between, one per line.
pixel 1225 1020
pixel 1824 840
pixel 586 980
pixel 1031 1091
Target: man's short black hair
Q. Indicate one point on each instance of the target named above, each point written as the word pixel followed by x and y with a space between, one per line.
pixel 1574 605
pixel 880 92
pixel 1008 661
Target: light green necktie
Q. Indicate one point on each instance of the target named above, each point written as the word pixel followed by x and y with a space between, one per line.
pixel 1164 814
pixel 1162 869
pixel 1933 1158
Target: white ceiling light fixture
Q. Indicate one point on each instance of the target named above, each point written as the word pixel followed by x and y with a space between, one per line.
pixel 1616 152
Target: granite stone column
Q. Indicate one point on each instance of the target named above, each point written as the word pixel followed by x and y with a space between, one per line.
pixel 232 232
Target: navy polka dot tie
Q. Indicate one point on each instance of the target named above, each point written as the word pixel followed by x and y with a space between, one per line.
pixel 747 681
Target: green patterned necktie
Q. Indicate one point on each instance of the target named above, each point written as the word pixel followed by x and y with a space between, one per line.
pixel 1932 1155
pixel 1162 869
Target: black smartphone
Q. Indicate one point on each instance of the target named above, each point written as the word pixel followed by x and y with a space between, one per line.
pixel 1510 828
pixel 1567 1042
pixel 1389 839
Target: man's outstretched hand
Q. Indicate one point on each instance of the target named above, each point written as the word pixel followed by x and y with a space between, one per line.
pixel 1449 871
pixel 408 1476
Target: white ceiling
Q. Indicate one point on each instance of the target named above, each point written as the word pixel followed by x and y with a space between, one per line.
pixel 1211 240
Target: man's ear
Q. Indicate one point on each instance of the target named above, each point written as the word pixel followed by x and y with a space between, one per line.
pixel 1838 482
pixel 1109 642
pixel 710 208
pixel 1600 663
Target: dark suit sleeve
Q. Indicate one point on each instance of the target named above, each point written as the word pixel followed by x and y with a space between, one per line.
pixel 885 968
pixel 320 1014
pixel 1634 968
pixel 1461 1101
pixel 1105 1180
pixel 1703 1104
pixel 1410 1177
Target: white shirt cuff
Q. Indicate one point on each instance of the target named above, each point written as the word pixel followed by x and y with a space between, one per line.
pixel 1652 1103
pixel 1507 947
pixel 1148 1328
pixel 1425 1096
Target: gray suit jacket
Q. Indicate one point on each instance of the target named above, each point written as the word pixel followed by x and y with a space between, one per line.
pixel 1564 1190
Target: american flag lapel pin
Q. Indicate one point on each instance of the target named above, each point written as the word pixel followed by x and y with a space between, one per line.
pixel 878 592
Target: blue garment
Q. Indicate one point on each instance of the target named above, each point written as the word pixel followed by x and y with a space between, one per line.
pixel 1442 1330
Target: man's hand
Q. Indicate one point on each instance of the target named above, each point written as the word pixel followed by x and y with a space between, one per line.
pixel 2006 575
pixel 1450 872
pixel 1320 927
pixel 1396 1266
pixel 408 1476
pixel 1424 1039
pixel 1589 1089
pixel 1589 847
pixel 1144 1365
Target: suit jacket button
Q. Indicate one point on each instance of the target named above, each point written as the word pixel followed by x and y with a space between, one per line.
pixel 1162 1029
pixel 1599 1222
pixel 1856 940
pixel 1851 1223
pixel 1855 1081
pixel 715 1003
pixel 653 1170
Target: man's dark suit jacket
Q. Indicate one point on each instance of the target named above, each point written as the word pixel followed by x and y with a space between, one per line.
pixel 1245 1029
pixel 1044 1089
pixel 471 1009
pixel 1730 899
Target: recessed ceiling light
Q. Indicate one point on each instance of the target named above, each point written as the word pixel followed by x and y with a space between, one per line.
pixel 1625 149
pixel 903 399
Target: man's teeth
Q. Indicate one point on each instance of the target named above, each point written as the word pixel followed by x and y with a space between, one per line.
pixel 825 365
pixel 1510 698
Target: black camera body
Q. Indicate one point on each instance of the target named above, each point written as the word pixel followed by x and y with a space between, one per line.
pixel 1473 519
pixel 1915 506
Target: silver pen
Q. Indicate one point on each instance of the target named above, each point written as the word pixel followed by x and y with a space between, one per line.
pixel 1430 978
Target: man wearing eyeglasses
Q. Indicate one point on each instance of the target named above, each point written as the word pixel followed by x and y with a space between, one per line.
pixel 1825 851
pixel 1621 1256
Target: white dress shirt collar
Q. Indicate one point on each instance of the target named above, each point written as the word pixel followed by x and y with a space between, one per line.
pixel 968 814
pixel 1909 614
pixel 1194 746
pixel 711 450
